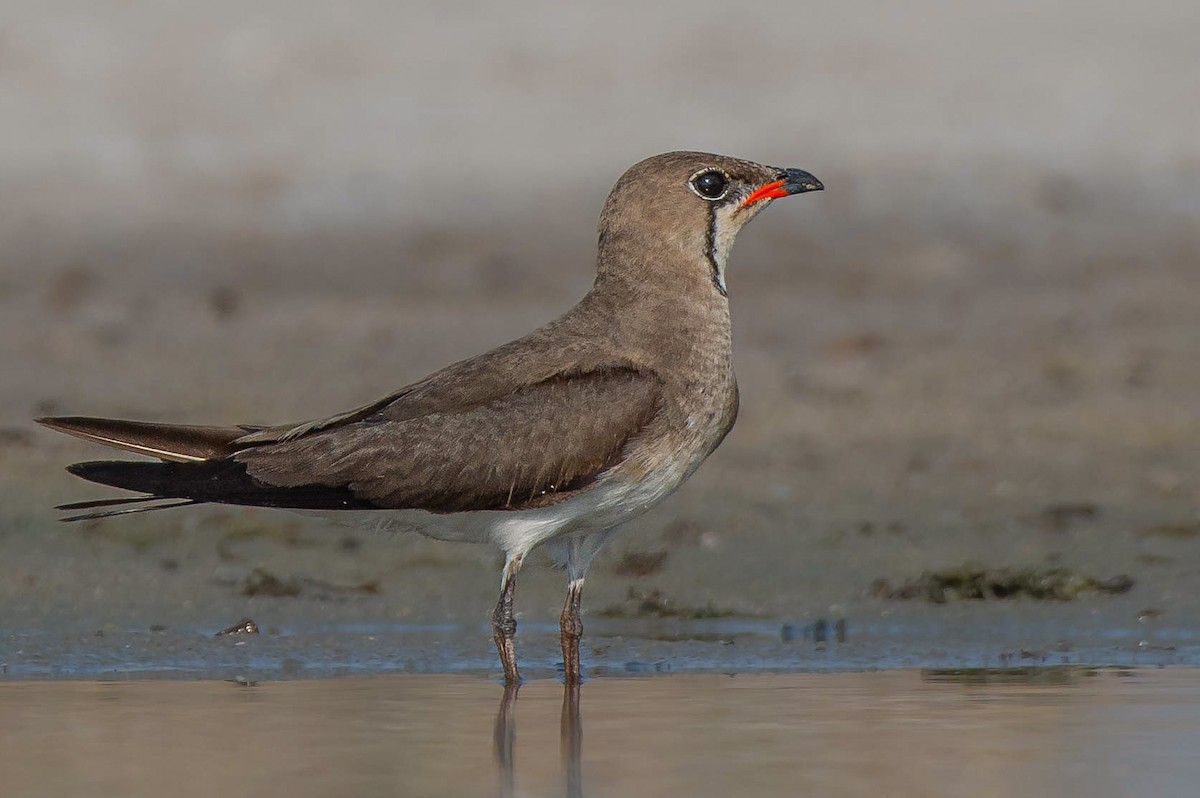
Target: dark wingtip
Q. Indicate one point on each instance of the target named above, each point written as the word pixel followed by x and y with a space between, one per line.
pixel 125 474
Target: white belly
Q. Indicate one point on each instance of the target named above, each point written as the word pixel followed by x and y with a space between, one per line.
pixel 611 502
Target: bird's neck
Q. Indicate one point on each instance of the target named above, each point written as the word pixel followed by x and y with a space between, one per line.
pixel 659 298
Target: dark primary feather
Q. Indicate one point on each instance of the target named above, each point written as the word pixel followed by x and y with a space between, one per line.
pixel 223 481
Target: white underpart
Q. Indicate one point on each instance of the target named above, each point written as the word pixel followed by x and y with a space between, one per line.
pixel 577 526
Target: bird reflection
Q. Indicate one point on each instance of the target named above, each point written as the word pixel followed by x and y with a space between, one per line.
pixel 503 737
pixel 570 740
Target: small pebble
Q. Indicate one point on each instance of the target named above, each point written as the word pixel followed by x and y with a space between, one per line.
pixel 245 626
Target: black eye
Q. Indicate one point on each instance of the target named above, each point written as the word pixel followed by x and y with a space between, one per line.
pixel 711 185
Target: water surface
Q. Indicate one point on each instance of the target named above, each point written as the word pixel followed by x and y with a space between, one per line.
pixel 1043 731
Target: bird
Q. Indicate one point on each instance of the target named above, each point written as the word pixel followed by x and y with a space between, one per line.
pixel 554 439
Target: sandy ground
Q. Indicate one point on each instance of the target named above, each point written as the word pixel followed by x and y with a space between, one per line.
pixel 980 344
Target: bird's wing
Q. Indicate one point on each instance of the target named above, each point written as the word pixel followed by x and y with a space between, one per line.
pixel 565 346
pixel 257 436
pixel 528 447
pixel 531 447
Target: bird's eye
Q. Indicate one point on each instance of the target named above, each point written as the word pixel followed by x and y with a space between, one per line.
pixel 710 184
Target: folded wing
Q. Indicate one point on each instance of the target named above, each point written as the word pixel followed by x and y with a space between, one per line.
pixel 532 446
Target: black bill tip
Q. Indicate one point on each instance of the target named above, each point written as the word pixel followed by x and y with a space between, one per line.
pixel 798 181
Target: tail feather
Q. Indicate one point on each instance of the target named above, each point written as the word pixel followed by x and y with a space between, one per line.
pixel 129 510
pixel 194 465
pixel 180 443
pixel 93 503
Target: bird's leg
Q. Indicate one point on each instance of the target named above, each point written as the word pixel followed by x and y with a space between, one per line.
pixel 504 625
pixel 571 628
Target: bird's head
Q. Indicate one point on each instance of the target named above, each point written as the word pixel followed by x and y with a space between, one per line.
pixel 692 203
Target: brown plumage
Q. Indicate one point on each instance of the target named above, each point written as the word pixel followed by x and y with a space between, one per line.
pixel 527 448
pixel 556 437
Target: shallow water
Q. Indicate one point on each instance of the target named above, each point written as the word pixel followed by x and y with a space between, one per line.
pixel 1045 731
pixel 977 638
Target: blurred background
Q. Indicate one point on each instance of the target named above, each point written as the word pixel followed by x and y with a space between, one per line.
pixel 980 344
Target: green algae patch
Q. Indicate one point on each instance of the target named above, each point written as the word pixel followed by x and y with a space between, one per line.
pixel 973 583
pixel 654 604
